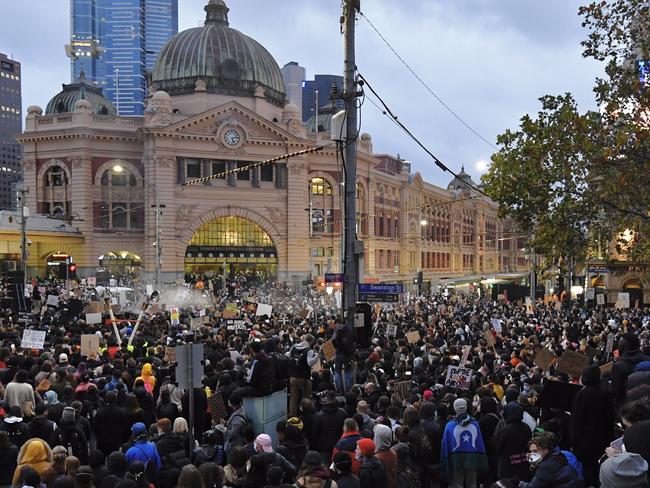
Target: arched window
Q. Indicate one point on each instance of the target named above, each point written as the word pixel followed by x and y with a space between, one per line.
pixel 122 201
pixel 55 176
pixel 320 186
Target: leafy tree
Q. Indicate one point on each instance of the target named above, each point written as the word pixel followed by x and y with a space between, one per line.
pixel 566 177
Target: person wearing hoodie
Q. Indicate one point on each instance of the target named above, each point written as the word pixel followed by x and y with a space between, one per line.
pixel 433 433
pixel 551 467
pixel 302 358
pixel 371 473
pixel 54 406
pixel 328 426
pixel 40 426
pixel 313 474
pixel 629 356
pixel 35 453
pixel 383 441
pixel 15 427
pixel 641 376
pixel 592 423
pixel 512 444
pixel 625 470
pixel 147 378
pixel 57 468
pixel 463 453
pixel 264 449
pixel 348 443
pixel 71 436
pixel 261 374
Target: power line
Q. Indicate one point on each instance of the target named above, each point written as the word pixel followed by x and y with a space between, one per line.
pixel 440 164
pixel 426 86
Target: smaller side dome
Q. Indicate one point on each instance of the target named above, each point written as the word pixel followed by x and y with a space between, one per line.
pixel 290 112
pixel 34 110
pixel 462 182
pixel 64 101
pixel 161 95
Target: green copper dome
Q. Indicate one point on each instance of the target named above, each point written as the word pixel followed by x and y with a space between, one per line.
pixel 218 59
pixel 64 101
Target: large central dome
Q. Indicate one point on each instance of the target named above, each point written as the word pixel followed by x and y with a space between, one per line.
pixel 218 59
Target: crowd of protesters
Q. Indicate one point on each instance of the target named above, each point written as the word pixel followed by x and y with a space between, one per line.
pixel 377 412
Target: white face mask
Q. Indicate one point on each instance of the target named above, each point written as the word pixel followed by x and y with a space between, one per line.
pixel 534 457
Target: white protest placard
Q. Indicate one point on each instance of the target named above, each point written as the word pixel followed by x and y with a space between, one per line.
pixel 202 312
pixel 359 321
pixel 52 301
pixel 391 330
pixel 33 339
pixel 623 300
pixel 496 325
pixel 91 281
pixel 264 309
pixel 600 299
pixel 609 347
pixel 89 344
pixel 149 289
pixel 590 293
pixel 458 377
pixel 94 318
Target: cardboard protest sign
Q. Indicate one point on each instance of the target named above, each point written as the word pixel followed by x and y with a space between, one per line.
pixel 530 309
pixel 466 350
pixel 304 313
pixel 94 307
pixel 196 323
pixel 412 337
pixel 234 325
pixel 170 354
pixel 175 316
pixel 328 350
pixel 623 300
pixel 52 301
pixel 544 358
pixel 600 299
pixel 232 306
pixel 403 390
pixel 572 363
pixel 89 344
pixel 33 339
pixel 202 312
pixel 264 309
pixel 217 407
pixel 606 368
pixel 458 377
pixel 94 318
pixel 489 338
pixel 229 314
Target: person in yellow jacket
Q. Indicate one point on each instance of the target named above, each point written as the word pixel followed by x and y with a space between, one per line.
pixel 148 378
pixel 35 453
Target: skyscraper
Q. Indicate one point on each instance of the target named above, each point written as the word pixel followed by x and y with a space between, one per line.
pixel 323 85
pixel 10 125
pixel 116 41
pixel 294 75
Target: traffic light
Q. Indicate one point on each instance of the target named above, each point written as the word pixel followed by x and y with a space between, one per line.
pixel 72 270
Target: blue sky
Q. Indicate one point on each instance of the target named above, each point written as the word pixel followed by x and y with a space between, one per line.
pixel 488 59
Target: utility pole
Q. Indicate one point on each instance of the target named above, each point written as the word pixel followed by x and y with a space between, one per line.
pixel 23 236
pixel 351 272
pixel 533 275
pixel 158 243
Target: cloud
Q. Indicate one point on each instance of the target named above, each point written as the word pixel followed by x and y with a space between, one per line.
pixel 488 59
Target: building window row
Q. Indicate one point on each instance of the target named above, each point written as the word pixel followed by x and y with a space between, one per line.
pixel 194 168
pixel 436 260
pixel 386 259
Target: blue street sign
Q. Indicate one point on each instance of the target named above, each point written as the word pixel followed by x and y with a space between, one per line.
pixel 334 278
pixel 379 297
pixel 381 288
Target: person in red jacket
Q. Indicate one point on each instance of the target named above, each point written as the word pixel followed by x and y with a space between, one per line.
pixel 348 443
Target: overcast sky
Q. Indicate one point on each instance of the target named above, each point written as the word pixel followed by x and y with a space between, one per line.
pixel 489 60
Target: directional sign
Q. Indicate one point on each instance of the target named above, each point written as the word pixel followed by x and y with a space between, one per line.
pixel 334 278
pixel 378 298
pixel 381 289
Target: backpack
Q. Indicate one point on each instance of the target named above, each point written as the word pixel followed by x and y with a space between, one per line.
pixel 299 360
pixel 72 443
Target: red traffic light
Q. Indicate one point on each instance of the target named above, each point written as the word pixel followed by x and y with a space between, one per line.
pixel 72 268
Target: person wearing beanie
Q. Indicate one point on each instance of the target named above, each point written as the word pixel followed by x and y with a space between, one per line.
pixel 625 470
pixel 143 450
pixel 372 473
pixel 592 423
pixel 463 453
pixel 342 466
pixel 71 436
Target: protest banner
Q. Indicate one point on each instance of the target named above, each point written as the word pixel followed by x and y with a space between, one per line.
pixel 572 363
pixel 264 309
pixel 33 339
pixel 329 351
pixel 235 325
pixel 590 293
pixel 413 337
pixel 89 344
pixel 458 377
pixel 544 358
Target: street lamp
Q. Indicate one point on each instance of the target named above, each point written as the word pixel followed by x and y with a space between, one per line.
pixel 117 168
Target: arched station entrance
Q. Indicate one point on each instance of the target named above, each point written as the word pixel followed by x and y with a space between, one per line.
pixel 635 289
pixel 234 244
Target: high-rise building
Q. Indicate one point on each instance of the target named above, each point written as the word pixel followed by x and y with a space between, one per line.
pixel 116 41
pixel 294 76
pixel 323 85
pixel 10 126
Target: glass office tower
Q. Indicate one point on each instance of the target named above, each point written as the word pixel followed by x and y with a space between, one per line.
pixel 115 41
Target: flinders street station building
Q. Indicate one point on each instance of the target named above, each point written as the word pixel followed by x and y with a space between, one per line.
pixel 217 102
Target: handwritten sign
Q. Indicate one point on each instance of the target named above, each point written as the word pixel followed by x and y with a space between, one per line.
pixel 89 344
pixel 600 299
pixel 590 293
pixel 572 363
pixel 609 347
pixel 413 337
pixel 391 330
pixel 623 300
pixel 489 338
pixel 94 318
pixel 235 325
pixel 264 309
pixel 170 354
pixel 230 314
pixel 33 339
pixel 329 351
pixel 458 377
pixel 544 358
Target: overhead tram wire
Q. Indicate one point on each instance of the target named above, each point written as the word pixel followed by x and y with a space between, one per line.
pixel 425 85
pixel 436 160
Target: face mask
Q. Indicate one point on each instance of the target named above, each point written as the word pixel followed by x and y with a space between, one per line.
pixel 534 457
pixel 358 456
